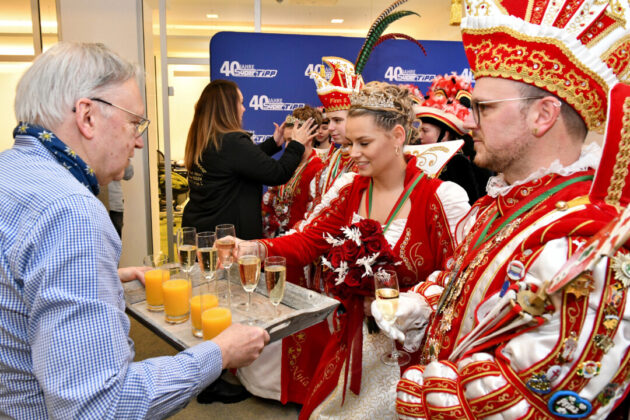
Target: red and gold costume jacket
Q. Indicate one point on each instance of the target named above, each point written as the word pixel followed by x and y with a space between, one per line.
pixel 337 164
pixel 285 205
pixel 497 345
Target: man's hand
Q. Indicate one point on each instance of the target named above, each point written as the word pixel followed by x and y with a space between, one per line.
pixel 241 344
pixel 132 273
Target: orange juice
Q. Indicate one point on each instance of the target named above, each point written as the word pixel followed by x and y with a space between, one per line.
pixel 196 308
pixel 214 321
pixel 153 284
pixel 176 300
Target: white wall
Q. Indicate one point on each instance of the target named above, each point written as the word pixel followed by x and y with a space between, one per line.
pixel 118 24
pixel 10 74
pixel 188 86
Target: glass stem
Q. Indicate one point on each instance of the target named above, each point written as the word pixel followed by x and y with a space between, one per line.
pixel 249 301
pixel 395 353
pixel 275 311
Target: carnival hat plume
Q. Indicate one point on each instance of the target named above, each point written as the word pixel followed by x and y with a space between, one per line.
pixel 447 103
pixel 575 49
pixel 345 78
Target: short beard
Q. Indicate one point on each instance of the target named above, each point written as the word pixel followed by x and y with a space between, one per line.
pixel 504 159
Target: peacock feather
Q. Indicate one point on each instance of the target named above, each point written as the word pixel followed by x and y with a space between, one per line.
pixel 375 33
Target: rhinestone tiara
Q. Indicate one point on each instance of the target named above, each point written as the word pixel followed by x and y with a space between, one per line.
pixel 291 120
pixel 373 100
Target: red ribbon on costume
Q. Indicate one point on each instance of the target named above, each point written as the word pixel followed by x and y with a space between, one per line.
pixel 345 345
pixel 354 341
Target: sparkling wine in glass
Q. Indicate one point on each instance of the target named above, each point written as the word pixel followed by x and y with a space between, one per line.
pixel 249 268
pixel 187 248
pixel 207 254
pixel 275 279
pixel 225 242
pixel 387 291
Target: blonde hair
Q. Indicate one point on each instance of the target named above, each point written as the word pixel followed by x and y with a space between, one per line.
pixel 399 109
pixel 216 113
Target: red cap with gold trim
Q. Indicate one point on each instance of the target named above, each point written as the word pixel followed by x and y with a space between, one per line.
pixel 575 49
pixel 335 92
pixel 447 102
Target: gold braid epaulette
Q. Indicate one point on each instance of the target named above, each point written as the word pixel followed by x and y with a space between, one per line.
pixel 620 170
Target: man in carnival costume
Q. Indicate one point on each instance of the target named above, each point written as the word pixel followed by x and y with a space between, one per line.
pixel 501 342
pixel 65 351
pixel 334 93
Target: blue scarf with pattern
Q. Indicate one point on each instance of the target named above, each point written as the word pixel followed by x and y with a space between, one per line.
pixel 64 154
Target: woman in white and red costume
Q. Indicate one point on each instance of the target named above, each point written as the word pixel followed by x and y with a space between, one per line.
pixel 420 234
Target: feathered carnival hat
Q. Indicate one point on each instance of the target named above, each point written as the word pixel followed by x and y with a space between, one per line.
pixel 334 93
pixel 447 102
pixel 575 49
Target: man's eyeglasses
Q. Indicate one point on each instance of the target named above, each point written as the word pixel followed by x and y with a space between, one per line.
pixel 141 125
pixel 478 106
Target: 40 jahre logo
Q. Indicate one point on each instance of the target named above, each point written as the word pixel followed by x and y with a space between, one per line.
pixel 265 103
pixel 236 69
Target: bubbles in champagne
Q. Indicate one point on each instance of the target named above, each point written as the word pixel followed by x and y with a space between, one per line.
pixel 249 267
pixel 207 259
pixel 387 302
pixel 225 248
pixel 187 255
pixel 275 278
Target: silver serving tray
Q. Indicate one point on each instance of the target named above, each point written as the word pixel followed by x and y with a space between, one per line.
pixel 300 309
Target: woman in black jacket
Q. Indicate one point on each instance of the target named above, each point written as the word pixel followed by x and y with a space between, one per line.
pixel 226 170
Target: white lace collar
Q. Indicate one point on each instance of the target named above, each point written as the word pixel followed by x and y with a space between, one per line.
pixel 589 158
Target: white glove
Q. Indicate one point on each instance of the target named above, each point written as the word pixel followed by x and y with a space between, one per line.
pixel 412 317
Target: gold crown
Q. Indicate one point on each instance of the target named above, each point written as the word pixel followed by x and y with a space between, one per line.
pixel 372 100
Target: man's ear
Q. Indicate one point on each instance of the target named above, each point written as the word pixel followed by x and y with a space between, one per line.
pixel 84 117
pixel 546 113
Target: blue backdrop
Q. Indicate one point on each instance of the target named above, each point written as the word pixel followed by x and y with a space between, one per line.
pixel 273 70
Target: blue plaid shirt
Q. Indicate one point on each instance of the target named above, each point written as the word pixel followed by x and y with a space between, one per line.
pixel 65 351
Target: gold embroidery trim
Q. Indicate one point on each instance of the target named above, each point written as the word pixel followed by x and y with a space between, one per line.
pixel 620 170
pixel 598 37
pixel 508 60
pixel 617 58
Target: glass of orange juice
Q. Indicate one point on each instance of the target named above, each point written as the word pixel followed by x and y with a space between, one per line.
pixel 201 301
pixel 177 292
pixel 153 280
pixel 215 320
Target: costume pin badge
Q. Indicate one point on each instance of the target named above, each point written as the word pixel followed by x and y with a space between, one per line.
pixel 569 404
pixel 604 243
pixel 539 383
pixel 621 267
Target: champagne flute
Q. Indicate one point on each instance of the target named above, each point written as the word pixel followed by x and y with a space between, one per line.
pixel 275 279
pixel 224 243
pixel 187 248
pixel 207 254
pixel 249 267
pixel 386 288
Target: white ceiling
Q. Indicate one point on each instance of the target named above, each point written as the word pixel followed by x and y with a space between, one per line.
pixel 189 30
